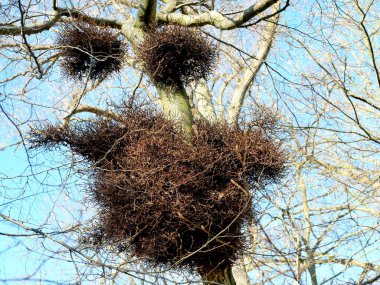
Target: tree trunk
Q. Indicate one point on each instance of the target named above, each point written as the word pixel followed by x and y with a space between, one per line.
pixel 176 106
pixel 240 272
pixel 223 277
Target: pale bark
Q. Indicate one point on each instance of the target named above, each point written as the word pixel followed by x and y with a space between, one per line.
pixel 251 71
pixel 215 18
pixel 239 271
pixel 202 97
pixel 12 30
pixel 176 106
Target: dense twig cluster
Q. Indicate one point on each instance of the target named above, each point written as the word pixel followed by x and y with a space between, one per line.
pixel 89 51
pixel 168 201
pixel 175 55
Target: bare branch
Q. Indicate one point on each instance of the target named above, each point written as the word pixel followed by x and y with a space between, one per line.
pixel 147 13
pixel 215 18
pixel 251 71
pixel 12 30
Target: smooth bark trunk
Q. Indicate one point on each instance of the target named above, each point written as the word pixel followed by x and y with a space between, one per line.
pixel 176 106
pixel 223 277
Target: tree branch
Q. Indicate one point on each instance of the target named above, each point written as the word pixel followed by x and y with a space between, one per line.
pixel 22 20
pixel 94 110
pixel 251 71
pixel 12 30
pixel 146 15
pixel 89 259
pixel 93 20
pixel 215 18
pixel 203 99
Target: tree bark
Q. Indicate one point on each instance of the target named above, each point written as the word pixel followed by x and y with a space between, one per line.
pixel 203 100
pixel 176 106
pixel 239 271
pixel 223 277
pixel 251 71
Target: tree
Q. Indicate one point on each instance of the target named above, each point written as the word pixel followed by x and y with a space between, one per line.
pixel 320 225
pixel 90 54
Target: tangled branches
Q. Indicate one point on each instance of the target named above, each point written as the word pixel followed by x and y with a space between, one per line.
pixel 175 55
pixel 171 202
pixel 88 50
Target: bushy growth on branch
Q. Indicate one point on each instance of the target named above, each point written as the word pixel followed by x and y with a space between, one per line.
pixel 89 51
pixel 175 55
pixel 168 201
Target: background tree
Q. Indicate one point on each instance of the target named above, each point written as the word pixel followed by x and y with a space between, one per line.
pixel 320 226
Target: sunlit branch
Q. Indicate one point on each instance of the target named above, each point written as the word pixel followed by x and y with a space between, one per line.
pixel 215 18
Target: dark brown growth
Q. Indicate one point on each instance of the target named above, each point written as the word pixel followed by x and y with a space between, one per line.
pixel 88 50
pixel 168 201
pixel 175 55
